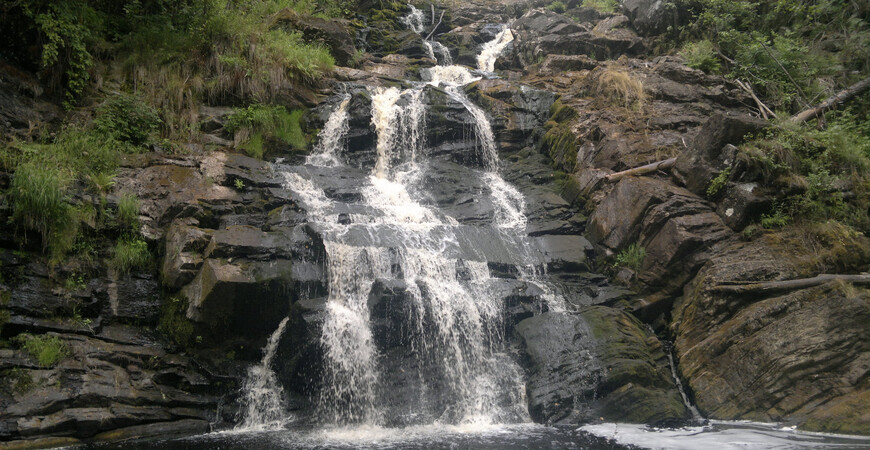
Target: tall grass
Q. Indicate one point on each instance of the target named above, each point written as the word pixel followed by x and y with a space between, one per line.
pixel 235 56
pixel 39 202
pixel 128 214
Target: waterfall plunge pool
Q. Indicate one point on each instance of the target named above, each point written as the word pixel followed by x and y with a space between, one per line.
pixel 714 435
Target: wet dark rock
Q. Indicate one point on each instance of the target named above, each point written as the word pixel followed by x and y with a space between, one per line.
pixel 651 17
pixel 103 385
pixel 134 298
pixel 242 296
pixel 599 362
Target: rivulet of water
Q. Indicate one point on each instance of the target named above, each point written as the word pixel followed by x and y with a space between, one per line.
pixel 263 400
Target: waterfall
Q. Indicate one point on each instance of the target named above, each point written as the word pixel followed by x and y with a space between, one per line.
pixel 328 147
pixel 446 359
pixel 414 20
pixel 263 400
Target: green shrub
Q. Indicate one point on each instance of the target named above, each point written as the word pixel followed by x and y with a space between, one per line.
pixel 307 61
pixel 128 119
pixel 776 219
pixel 66 30
pixel 128 214
pixel 131 254
pixel 47 350
pixel 254 124
pixel 604 6
pixel 557 7
pixel 701 55
pixel 632 257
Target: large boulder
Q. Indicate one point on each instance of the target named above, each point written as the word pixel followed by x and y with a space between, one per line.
pixel 798 356
pixel 651 17
pixel 245 297
pixel 710 152
pixel 541 32
pixel 598 363
pixel 678 230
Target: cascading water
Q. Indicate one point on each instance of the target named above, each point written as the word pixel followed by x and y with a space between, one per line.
pixel 492 49
pixel 451 361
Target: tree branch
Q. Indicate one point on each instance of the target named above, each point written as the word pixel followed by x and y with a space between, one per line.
pixel 436 25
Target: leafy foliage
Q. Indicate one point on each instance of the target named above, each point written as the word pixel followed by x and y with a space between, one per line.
pixel 604 6
pixel 557 7
pixel 127 119
pixel 701 55
pixel 793 52
pixel 717 183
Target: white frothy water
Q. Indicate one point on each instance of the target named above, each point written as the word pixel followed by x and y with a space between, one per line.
pixel 327 150
pixel 263 396
pixel 398 127
pixel 414 20
pixel 492 49
pixel 443 56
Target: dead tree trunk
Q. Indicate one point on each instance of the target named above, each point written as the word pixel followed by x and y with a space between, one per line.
pixel 652 167
pixel 831 102
pixel 790 285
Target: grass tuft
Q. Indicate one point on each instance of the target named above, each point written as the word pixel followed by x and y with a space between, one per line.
pixel 47 350
pixel 632 257
pixel 620 88
pixel 128 214
pixel 131 254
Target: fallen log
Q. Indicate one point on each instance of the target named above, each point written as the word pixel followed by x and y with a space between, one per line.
pixel 832 101
pixel 789 285
pixel 652 167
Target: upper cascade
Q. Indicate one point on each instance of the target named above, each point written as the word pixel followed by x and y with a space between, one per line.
pixel 492 49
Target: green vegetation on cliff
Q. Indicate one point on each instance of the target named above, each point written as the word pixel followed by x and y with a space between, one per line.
pixel 794 54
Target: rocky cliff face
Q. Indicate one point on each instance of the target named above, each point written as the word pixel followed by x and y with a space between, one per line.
pixel 164 351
